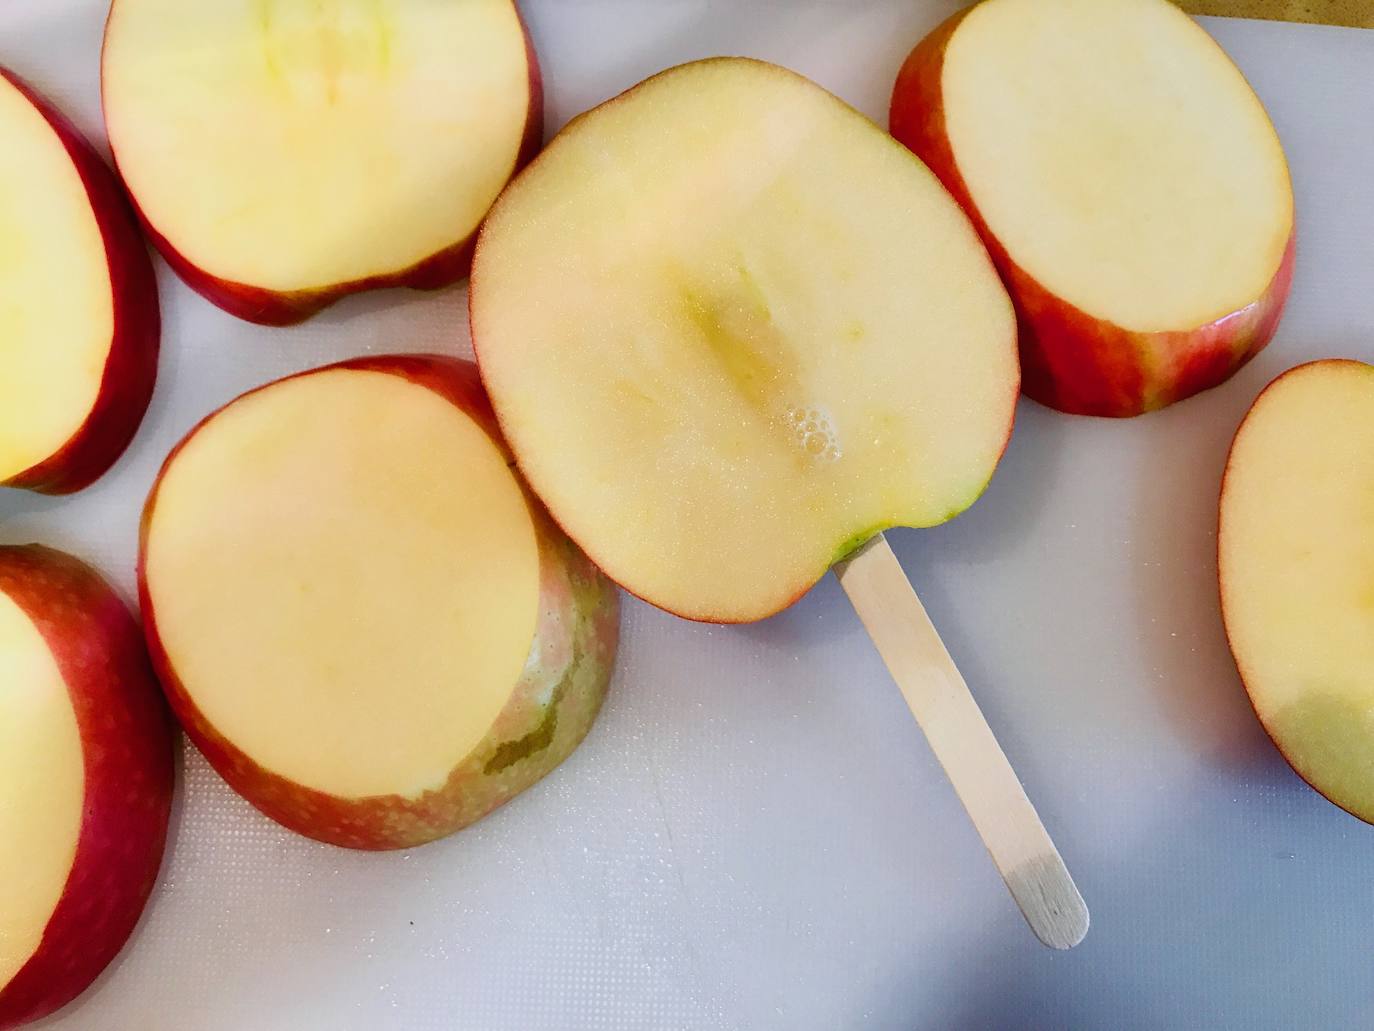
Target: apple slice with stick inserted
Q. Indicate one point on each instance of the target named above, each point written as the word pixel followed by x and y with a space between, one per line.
pixel 733 331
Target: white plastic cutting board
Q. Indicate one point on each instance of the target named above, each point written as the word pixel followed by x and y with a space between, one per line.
pixel 755 835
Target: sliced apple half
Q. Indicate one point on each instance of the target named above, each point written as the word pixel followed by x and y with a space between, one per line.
pixel 1127 181
pixel 359 615
pixel 732 330
pixel 286 154
pixel 1296 563
pixel 85 779
pixel 78 303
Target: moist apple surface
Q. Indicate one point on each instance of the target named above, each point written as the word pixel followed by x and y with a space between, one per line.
pixel 344 575
pixel 297 146
pixel 1119 156
pixel 731 329
pixel 1296 556
pixel 42 781
pixel 56 303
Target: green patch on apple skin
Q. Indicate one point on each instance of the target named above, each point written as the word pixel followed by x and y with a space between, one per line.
pixel 1329 740
pixel 508 753
pixel 856 541
pixel 852 544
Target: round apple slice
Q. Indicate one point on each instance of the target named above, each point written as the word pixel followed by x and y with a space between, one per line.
pixel 78 303
pixel 359 615
pixel 285 154
pixel 85 779
pixel 1127 181
pixel 1296 564
pixel 732 330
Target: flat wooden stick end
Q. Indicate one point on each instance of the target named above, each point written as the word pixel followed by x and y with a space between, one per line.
pixel 1049 900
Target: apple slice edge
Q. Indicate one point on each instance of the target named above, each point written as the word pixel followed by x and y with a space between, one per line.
pixel 959 735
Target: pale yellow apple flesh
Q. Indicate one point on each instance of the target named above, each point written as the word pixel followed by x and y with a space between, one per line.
pixel 42 787
pixel 1119 157
pixel 56 302
pixel 344 576
pixel 296 146
pixel 1296 557
pixel 732 329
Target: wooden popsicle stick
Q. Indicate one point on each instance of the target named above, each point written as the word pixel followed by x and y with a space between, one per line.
pixel 963 742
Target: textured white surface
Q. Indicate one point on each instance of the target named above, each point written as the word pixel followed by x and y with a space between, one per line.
pixel 755 835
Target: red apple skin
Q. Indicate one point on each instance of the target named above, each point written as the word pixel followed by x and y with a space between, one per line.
pixel 278 308
pixel 1366 817
pixel 131 368
pixel 127 746
pixel 1071 360
pixel 575 642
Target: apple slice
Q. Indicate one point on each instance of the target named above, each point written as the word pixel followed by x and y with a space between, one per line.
pixel 79 317
pixel 733 330
pixel 1127 181
pixel 359 615
pixel 284 154
pixel 85 779
pixel 1296 564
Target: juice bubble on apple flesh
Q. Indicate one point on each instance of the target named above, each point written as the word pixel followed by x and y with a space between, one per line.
pixel 816 434
pixel 732 312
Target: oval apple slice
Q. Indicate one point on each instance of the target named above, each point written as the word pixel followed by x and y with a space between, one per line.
pixel 85 779
pixel 78 303
pixel 285 154
pixel 1296 564
pixel 732 330
pixel 359 615
pixel 1127 181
